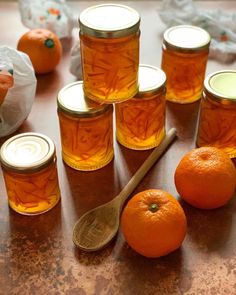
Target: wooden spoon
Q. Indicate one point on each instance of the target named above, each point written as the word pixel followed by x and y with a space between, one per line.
pixel 96 228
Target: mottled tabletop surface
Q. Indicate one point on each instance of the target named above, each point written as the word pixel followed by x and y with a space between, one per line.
pixel 37 255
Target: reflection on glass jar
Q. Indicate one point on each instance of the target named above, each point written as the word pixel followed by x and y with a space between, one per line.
pixel 86 129
pixel 30 173
pixel 184 59
pixel 109 41
pixel 140 121
pixel 217 120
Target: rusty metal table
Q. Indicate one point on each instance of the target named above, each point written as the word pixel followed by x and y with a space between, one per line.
pixel 37 255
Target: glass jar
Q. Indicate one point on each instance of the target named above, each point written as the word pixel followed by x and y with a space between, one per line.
pixel 140 121
pixel 217 120
pixel 86 129
pixel 29 168
pixel 184 58
pixel 109 44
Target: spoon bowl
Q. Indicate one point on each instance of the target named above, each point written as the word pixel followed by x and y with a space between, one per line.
pixel 96 228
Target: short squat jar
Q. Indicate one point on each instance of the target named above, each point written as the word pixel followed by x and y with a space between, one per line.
pixel 86 129
pixel 217 120
pixel 109 44
pixel 140 121
pixel 184 58
pixel 29 168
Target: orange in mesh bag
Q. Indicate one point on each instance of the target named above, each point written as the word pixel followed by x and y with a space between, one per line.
pixel 17 89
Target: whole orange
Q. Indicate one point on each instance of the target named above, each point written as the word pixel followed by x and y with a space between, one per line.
pixel 153 223
pixel 44 49
pixel 206 178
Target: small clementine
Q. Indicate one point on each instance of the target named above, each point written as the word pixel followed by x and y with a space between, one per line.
pixel 153 223
pixel 44 49
pixel 206 178
pixel 6 82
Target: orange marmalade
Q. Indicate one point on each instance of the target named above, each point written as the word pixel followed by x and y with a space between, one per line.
pixel 217 120
pixel 140 121
pixel 86 129
pixel 184 58
pixel 109 44
pixel 30 173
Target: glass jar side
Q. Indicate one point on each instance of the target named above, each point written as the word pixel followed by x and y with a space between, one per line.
pixel 87 143
pixel 216 126
pixel 110 67
pixel 185 73
pixel 33 193
pixel 140 122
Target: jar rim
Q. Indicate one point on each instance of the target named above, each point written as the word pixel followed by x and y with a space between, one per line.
pixel 27 152
pixel 197 38
pixel 152 80
pixel 72 101
pixel 124 21
pixel 215 81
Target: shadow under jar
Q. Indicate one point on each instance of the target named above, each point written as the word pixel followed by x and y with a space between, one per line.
pixel 86 129
pixel 217 119
pixel 140 121
pixel 184 58
pixel 109 44
pixel 29 168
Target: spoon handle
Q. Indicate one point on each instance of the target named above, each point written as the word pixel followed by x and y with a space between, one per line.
pixel 148 163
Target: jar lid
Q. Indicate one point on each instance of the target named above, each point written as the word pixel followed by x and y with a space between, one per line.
pixel 186 38
pixel 109 21
pixel 27 152
pixel 220 86
pixel 152 80
pixel 71 100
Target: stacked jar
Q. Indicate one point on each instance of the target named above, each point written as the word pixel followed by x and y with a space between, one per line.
pixel 109 42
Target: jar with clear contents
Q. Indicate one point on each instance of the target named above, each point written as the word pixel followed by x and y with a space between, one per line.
pixel 86 129
pixel 184 58
pixel 109 44
pixel 217 120
pixel 29 168
pixel 140 121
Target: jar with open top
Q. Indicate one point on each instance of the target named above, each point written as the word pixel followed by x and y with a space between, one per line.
pixel 140 121
pixel 29 168
pixel 184 58
pixel 217 119
pixel 109 44
pixel 86 129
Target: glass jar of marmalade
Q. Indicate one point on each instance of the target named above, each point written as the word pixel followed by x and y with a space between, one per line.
pixel 217 120
pixel 86 129
pixel 109 44
pixel 29 168
pixel 140 121
pixel 184 58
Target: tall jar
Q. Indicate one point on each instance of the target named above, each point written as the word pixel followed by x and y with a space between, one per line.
pixel 140 121
pixel 109 44
pixel 86 129
pixel 217 120
pixel 184 59
pixel 29 168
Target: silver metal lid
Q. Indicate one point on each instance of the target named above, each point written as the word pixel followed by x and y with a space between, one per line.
pixel 221 86
pixel 27 152
pixel 152 80
pixel 109 21
pixel 186 38
pixel 71 100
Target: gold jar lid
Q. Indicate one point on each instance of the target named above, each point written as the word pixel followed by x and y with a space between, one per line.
pixel 221 86
pixel 186 38
pixel 109 21
pixel 71 100
pixel 27 152
pixel 151 79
